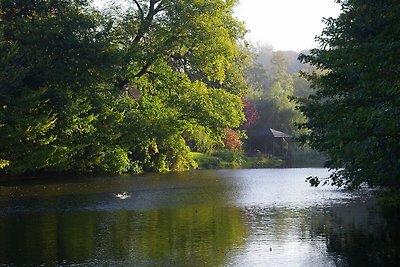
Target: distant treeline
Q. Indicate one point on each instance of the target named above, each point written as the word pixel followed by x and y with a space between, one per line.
pixel 274 79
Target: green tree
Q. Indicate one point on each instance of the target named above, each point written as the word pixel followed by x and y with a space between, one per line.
pixel 270 93
pixel 112 92
pixel 184 59
pixel 353 113
pixel 56 56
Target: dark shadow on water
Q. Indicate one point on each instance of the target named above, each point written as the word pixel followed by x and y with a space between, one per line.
pixel 362 236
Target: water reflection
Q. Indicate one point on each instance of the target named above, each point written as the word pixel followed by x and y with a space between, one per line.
pixel 201 235
pixel 206 218
pixel 359 236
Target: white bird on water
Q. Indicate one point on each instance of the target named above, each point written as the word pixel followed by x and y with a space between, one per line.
pixel 123 195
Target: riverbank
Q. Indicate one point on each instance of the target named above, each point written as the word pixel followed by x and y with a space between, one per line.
pixel 222 159
pixel 234 160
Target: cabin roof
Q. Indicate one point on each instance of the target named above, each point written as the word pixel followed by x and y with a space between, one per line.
pixel 270 133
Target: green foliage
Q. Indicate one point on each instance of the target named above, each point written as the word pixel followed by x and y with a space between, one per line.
pixel 201 138
pixel 262 162
pixel 272 90
pixel 229 155
pixel 205 161
pixel 353 113
pixel 112 92
pixel 116 160
pixel 221 159
pixel 46 86
pixel 4 163
pixel 233 159
pixel 274 79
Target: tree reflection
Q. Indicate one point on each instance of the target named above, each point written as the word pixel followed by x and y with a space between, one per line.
pixel 199 235
pixel 360 236
pixel 343 234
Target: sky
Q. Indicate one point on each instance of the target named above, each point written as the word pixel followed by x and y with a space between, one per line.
pixel 285 24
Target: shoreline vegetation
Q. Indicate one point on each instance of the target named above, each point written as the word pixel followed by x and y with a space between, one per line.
pixel 226 159
pixel 219 159
pixel 137 89
pixel 234 160
pixel 223 159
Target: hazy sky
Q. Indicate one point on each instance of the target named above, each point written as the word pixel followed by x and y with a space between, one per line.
pixel 285 24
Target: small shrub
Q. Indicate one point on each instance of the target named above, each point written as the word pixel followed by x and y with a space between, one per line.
pixel 229 155
pixel 204 161
pixel 116 160
pixel 232 139
pixel 212 163
pixel 262 162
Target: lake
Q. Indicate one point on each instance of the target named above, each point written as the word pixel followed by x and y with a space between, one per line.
pixel 261 217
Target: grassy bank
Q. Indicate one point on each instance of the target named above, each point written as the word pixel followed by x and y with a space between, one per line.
pixel 234 160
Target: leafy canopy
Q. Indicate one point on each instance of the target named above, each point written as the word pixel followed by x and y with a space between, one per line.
pixel 353 115
pixel 89 91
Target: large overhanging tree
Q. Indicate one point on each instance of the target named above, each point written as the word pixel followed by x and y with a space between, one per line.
pixel 120 91
pixel 354 114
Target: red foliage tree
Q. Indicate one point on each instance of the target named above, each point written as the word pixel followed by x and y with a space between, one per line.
pixel 232 139
pixel 250 111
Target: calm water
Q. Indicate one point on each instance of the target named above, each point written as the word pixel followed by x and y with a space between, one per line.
pixel 200 218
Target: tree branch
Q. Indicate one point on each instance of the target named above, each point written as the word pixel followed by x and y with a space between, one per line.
pixel 144 69
pixel 159 6
pixel 140 9
pixel 146 21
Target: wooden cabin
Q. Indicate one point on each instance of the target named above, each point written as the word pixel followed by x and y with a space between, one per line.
pixel 268 142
